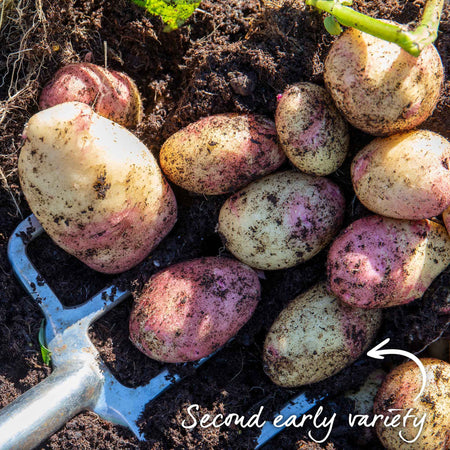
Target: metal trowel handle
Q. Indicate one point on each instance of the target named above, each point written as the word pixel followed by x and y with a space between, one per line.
pixel 46 407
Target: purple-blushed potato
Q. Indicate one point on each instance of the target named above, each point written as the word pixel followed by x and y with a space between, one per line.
pixel 191 309
pixel 95 188
pixel 221 153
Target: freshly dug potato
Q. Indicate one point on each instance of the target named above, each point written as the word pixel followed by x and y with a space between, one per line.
pixel 399 390
pixel 221 153
pixel 315 337
pixel 446 218
pixel 111 94
pixel 405 176
pixel 311 130
pixel 189 310
pixel 95 188
pixel 379 87
pixel 281 220
pixel 379 262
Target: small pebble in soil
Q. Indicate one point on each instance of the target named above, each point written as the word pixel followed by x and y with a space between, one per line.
pixel 242 83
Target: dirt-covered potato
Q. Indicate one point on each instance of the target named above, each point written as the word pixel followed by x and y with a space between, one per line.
pixel 405 176
pixel 379 87
pixel 190 309
pixel 378 262
pixel 315 337
pixel 281 220
pixel 221 153
pixel 95 188
pixel 424 423
pixel 311 130
pixel 111 94
pixel 446 218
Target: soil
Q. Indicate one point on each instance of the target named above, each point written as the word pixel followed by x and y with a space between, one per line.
pixel 232 55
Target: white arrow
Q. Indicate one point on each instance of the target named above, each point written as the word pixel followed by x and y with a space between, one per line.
pixel 378 354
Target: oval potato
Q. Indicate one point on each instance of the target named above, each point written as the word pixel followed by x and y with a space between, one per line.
pixel 190 309
pixel 315 337
pixel 281 220
pixel 95 188
pixel 405 176
pixel 221 153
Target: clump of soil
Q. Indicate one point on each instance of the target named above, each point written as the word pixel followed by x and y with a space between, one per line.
pixel 231 56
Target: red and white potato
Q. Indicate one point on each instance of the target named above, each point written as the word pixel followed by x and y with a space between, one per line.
pixel 315 337
pixel 405 176
pixel 311 130
pixel 378 262
pixel 397 396
pixel 379 87
pixel 221 153
pixel 111 94
pixel 95 188
pixel 191 309
pixel 281 220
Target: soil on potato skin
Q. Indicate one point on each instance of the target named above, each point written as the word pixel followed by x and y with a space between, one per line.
pixel 232 55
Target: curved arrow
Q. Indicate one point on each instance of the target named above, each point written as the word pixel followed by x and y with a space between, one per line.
pixel 377 353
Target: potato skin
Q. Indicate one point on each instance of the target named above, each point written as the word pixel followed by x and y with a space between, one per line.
pixel 315 337
pixel 95 188
pixel 379 262
pixel 111 94
pixel 221 153
pixel 190 309
pixel 405 176
pixel 379 87
pixel 281 220
pixel 312 132
pixel 399 390
pixel 446 218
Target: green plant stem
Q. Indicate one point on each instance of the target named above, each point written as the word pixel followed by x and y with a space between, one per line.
pixel 411 41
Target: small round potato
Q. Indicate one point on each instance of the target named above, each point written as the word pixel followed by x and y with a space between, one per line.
pixel 379 262
pixel 189 310
pixel 397 396
pixel 379 87
pixel 281 220
pixel 221 153
pixel 405 176
pixel 315 337
pixel 311 130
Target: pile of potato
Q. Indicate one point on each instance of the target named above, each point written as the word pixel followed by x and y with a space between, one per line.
pixel 100 195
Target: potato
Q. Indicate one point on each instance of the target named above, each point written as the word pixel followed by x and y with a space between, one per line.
pixel 379 262
pixel 111 94
pixel 399 390
pixel 221 153
pixel 315 337
pixel 311 130
pixel 190 309
pixel 446 218
pixel 95 188
pixel 379 87
pixel 405 176
pixel 281 220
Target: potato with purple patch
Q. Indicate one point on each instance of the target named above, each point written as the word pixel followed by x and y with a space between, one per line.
pixel 311 130
pixel 191 309
pixel 405 176
pixel 424 422
pixel 379 262
pixel 95 188
pixel 281 220
pixel 315 337
pixel 221 153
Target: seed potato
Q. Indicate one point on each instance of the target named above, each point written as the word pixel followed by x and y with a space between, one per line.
pixel 221 153
pixel 378 262
pixel 315 337
pixel 95 188
pixel 311 130
pixel 281 220
pixel 190 309
pixel 405 176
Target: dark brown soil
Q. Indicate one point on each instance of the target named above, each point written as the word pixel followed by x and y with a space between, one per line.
pixel 232 55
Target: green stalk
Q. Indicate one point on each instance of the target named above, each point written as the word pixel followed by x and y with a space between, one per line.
pixel 411 41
